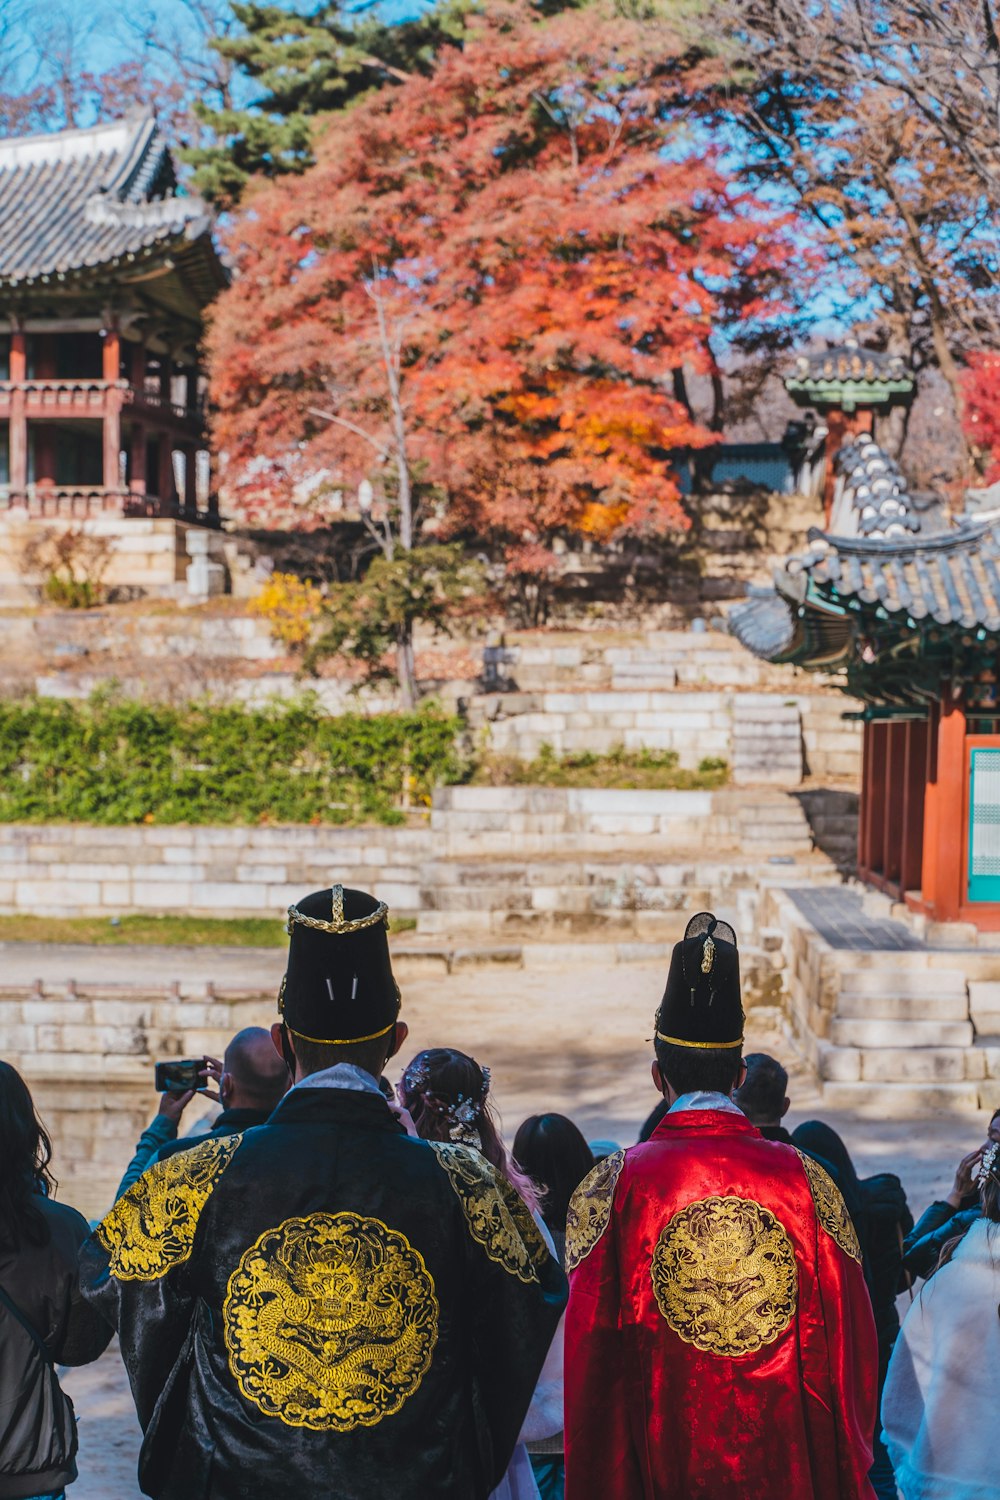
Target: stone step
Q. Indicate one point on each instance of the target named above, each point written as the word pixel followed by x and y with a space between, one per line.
pixel 902 1008
pixel 882 976
pixel 659 926
pixel 879 1032
pixel 892 1101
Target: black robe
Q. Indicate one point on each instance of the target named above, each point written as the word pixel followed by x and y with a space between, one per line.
pixel 325 1307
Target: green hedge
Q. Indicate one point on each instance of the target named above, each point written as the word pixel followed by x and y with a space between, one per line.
pixel 125 762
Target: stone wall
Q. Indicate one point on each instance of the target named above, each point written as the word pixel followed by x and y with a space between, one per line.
pixel 219 872
pixel 693 724
pixel 147 556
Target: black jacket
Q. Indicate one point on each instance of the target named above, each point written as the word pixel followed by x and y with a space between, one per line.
pixel 42 1282
pixel 935 1227
pixel 230 1121
pixel 887 1220
pixel 776 1133
pixel 324 1306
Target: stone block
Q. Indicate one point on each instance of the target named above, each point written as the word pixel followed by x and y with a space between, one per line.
pixel 57 895
pixel 903 1008
pixel 901 1101
pixel 877 1032
pixel 152 895
pixel 913 1064
pixel 838 1064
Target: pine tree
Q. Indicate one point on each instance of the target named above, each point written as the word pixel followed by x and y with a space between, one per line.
pixel 304 67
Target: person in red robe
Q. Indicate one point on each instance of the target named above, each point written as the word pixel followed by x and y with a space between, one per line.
pixel 720 1342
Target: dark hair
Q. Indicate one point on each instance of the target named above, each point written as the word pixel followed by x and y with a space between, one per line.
pixel 554 1154
pixel 447 1095
pixel 761 1096
pixel 653 1119
pixel 691 1070
pixel 25 1153
pixel 313 1057
pixel 819 1140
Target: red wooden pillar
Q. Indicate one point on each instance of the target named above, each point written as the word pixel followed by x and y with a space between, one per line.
pixel 895 782
pixel 18 412
pixel 944 819
pixel 111 372
pixel 914 792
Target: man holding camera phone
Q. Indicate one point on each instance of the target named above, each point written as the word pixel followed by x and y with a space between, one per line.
pixel 250 1080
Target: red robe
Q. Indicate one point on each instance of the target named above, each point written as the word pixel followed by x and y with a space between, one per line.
pixel 719 1337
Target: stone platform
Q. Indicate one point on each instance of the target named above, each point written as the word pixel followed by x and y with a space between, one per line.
pixel 893 1022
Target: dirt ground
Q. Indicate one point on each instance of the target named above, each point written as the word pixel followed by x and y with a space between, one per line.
pixel 570 1040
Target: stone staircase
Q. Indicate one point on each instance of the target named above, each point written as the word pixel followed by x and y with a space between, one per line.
pixel 833 819
pixel 695 695
pixel 891 1024
pixel 565 865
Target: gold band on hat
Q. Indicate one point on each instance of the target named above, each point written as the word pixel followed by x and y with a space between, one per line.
pixel 338 924
pixel 676 1041
pixel 347 1041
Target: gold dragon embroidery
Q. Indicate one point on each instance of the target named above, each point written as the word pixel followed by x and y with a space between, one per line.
pixel 151 1228
pixel 495 1213
pixel 590 1208
pixel 724 1276
pixel 831 1210
pixel 330 1322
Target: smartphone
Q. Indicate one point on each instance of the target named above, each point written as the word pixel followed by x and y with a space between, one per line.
pixel 179 1076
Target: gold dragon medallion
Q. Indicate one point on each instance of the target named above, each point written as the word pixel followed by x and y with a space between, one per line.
pixel 496 1214
pixel 590 1208
pixel 330 1322
pixel 724 1276
pixel 831 1210
pixel 151 1228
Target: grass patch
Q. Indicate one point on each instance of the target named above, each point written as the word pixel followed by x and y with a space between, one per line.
pixel 617 770
pixel 170 932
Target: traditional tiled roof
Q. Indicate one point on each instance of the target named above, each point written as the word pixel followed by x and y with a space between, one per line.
pixel 951 579
pixel 872 498
pixel 849 376
pixel 82 200
pixel 949 582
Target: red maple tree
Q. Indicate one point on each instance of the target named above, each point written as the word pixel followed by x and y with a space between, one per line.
pixel 483 290
pixel 982 412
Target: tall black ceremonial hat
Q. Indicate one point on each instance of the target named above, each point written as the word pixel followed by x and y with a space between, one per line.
pixel 701 1005
pixel 339 985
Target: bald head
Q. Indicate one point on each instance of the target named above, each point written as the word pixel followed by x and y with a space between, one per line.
pixel 254 1076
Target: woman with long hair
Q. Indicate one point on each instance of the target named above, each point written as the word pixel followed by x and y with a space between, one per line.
pixel 881 1217
pixel 447 1096
pixel 43 1318
pixel 553 1153
pixel 939 1405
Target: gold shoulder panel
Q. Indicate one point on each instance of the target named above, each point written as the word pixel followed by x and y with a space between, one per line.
pixel 151 1228
pixel 831 1210
pixel 724 1276
pixel 330 1322
pixel 496 1214
pixel 590 1208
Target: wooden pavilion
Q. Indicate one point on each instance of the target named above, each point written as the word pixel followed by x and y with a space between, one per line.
pixel 105 273
pixel 903 603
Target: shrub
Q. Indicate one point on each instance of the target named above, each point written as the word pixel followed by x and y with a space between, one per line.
pixel 127 762
pixel 290 605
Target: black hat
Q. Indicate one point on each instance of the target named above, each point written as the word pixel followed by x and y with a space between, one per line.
pixel 701 1005
pixel 338 986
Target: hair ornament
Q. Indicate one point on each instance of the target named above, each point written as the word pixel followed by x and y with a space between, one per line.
pixel 987 1166
pixel 707 955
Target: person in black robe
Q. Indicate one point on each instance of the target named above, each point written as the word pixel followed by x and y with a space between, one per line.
pixel 324 1305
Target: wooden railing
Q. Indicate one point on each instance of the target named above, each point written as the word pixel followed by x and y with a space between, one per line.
pixel 84 397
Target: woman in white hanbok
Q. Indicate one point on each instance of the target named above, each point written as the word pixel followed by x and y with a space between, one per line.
pixel 939 1404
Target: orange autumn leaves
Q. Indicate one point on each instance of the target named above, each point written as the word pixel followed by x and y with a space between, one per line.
pixel 550 235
